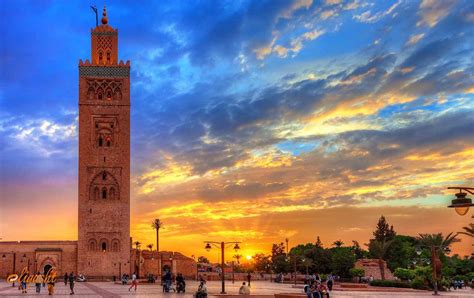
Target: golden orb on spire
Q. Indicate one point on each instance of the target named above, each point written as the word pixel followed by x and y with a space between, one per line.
pixel 104 16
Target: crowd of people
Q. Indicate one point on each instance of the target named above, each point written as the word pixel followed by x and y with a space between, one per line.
pixel 49 279
pixel 315 287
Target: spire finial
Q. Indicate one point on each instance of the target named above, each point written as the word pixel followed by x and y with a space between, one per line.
pixel 104 16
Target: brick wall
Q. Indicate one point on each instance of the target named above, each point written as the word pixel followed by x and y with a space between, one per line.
pixel 37 254
pixel 371 267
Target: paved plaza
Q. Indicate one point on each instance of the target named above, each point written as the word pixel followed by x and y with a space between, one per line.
pixel 109 289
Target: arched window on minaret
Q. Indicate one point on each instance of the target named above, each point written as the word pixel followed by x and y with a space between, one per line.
pixel 90 93
pixel 92 245
pixel 100 141
pixel 108 58
pixel 96 193
pixel 112 193
pixel 104 246
pixel 115 245
pixel 109 94
pixel 100 58
pixel 104 193
pixel 100 94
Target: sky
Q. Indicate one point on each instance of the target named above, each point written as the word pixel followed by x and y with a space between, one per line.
pixel 251 121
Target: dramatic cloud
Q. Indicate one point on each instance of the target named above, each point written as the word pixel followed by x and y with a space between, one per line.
pixel 251 120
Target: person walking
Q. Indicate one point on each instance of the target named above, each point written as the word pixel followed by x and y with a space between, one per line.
pixel 72 279
pixel 249 277
pixel 134 282
pixel 66 278
pixel 52 279
pixel 38 281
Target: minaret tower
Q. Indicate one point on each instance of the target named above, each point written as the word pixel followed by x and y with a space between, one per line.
pixel 104 158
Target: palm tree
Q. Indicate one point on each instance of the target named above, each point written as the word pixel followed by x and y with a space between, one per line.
pixel 338 243
pixel 137 244
pixel 379 250
pixel 469 231
pixel 437 244
pixel 150 246
pixel 237 257
pixel 157 224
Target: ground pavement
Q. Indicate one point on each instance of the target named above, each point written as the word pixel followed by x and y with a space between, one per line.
pixel 109 289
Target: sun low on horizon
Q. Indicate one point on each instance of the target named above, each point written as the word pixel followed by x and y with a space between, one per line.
pixel 251 121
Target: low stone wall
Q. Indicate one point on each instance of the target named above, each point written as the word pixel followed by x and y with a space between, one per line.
pixel 290 295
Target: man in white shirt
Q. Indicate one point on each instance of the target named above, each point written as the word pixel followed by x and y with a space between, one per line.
pixel 134 282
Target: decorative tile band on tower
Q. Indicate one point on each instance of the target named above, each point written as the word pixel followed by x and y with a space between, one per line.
pixel 104 71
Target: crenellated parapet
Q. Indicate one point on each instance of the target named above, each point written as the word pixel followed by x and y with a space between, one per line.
pixel 88 63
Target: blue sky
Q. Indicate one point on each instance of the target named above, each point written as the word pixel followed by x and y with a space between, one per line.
pixel 267 104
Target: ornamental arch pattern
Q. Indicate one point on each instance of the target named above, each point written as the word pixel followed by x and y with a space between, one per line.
pixel 104 89
pixel 104 186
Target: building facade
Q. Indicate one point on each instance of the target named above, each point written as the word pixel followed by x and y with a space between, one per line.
pixel 103 249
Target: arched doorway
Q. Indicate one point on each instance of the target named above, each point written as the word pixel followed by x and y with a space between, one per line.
pixel 47 268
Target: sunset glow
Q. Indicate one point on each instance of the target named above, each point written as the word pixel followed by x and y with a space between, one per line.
pixel 251 121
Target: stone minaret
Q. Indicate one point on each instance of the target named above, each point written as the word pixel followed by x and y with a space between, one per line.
pixel 104 158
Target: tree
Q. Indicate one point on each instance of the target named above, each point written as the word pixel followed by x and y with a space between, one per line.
pixel 357 272
pixel 157 224
pixel 404 274
pixel 203 259
pixel 305 264
pixel 281 264
pixel 342 260
pixel 469 231
pixel 318 242
pixel 262 262
pixel 278 249
pixel 321 260
pixel 383 231
pixel 237 257
pixel 338 243
pixel 358 251
pixel 437 244
pixel 137 244
pixel 379 249
pixel 455 265
pixel 401 252
pixel 150 246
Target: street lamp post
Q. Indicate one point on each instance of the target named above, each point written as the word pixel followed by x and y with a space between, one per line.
pixel 294 265
pixel 233 276
pixel 171 265
pixel 222 245
pixel 269 269
pixel 197 267
pixel 161 268
pixel 294 262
